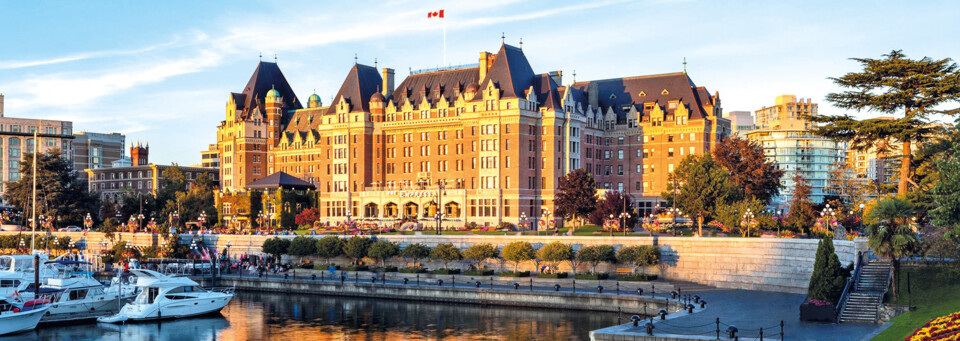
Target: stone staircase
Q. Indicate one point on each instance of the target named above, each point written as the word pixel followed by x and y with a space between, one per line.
pixel 864 300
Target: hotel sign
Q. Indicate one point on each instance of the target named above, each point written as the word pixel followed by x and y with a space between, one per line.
pixel 412 194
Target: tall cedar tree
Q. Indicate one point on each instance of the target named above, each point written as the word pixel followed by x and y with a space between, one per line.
pixel 576 196
pixel 802 211
pixel 59 192
pixel 827 281
pixel 702 185
pixel 946 194
pixel 613 203
pixel 893 85
pixel 749 168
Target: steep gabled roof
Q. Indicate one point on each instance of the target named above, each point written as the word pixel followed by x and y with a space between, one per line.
pixel 620 92
pixel 547 94
pixel 511 72
pixel 447 81
pixel 360 84
pixel 267 76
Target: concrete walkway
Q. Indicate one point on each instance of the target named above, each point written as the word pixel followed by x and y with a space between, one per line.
pixel 750 311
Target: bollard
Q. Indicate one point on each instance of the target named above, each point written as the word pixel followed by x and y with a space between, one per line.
pixel 556 287
pixel 313 277
pixel 781 329
pixel 453 281
pixel 477 283
pixel 343 278
pixel 703 303
pixel 599 289
pixel 696 298
pixel 732 332
pixel 439 282
pixel 718 328
pixel 690 308
pixel 618 288
pixel 653 290
pixel 405 280
pixel 373 279
pixel 285 275
pixel 531 283
pixel 636 320
pixel 673 294
pixel 356 278
pixel 663 314
pixel 516 286
pixel 321 277
pixel 649 327
pixel 761 334
pixel 639 291
pixel 418 279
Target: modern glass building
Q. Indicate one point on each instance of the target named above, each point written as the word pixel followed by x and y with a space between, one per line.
pixel 799 151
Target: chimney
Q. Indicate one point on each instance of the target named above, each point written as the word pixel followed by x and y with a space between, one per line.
pixel 592 95
pixel 483 65
pixel 1 105
pixel 557 77
pixel 387 82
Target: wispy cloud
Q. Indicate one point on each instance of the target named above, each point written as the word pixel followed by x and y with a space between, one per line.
pixel 9 65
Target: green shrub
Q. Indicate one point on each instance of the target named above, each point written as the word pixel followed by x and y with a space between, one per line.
pixel 514 274
pixel 591 276
pixel 445 271
pixel 554 275
pixel 325 266
pixel 413 270
pixel 478 272
pixel 827 281
pixel 354 267
pixel 636 278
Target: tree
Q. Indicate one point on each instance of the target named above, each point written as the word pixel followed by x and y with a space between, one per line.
pixel 480 253
pixel 307 216
pixel 446 253
pixel 802 214
pixel 749 168
pixel 827 281
pixel 732 215
pixel 946 193
pixel 576 195
pixel 302 246
pixel 894 84
pixel 382 250
pixel 892 237
pixel 701 185
pixel 276 246
pixel 356 248
pixel 415 252
pixel 518 252
pixel 329 247
pixel 614 203
pixel 596 254
pixel 556 252
pixel 842 180
pixel 59 192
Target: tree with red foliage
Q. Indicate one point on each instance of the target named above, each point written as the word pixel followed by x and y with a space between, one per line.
pixel 752 172
pixel 613 203
pixel 307 216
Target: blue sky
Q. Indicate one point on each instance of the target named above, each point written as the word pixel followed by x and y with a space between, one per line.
pixel 161 71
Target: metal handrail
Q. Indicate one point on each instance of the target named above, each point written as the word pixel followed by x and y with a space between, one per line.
pixel 851 283
pixel 886 284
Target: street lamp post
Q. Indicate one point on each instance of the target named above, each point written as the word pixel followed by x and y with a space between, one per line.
pixel 611 227
pixel 623 221
pixel 441 191
pixel 747 221
pixel 523 220
pixel 862 206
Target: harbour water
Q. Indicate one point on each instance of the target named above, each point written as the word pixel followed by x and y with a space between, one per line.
pixel 267 316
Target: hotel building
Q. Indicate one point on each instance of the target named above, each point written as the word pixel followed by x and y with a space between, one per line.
pixel 138 177
pixel 483 143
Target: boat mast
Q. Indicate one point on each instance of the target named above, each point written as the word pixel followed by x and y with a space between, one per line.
pixel 33 218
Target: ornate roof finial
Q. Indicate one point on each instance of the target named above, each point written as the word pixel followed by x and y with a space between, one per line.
pixel 521 43
pixel 261 56
pixel 574 76
pixel 684 65
pixel 503 37
pixel 374 62
pixel 354 58
pixel 274 57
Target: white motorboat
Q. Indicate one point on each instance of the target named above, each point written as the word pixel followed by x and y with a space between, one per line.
pixel 167 297
pixel 17 273
pixel 76 296
pixel 16 317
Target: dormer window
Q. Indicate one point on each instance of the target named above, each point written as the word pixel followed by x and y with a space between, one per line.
pixel 673 105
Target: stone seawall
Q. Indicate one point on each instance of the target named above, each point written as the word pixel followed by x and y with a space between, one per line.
pixel 519 298
pixel 770 264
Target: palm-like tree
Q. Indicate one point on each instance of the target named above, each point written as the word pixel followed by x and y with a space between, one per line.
pixel 892 237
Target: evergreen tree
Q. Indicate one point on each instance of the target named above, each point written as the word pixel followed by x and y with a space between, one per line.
pixel 827 281
pixel 893 85
pixel 749 168
pixel 60 195
pixel 946 194
pixel 576 195
pixel 802 214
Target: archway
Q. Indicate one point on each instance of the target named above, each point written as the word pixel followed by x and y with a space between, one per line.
pixel 452 209
pixel 390 210
pixel 430 209
pixel 410 210
pixel 371 210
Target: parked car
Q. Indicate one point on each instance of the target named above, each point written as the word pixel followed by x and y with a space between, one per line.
pixel 70 229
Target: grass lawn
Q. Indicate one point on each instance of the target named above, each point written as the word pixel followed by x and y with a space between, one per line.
pixel 934 291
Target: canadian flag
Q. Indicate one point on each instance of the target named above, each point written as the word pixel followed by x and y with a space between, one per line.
pixel 436 14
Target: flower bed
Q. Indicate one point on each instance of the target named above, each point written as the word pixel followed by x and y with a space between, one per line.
pixel 941 328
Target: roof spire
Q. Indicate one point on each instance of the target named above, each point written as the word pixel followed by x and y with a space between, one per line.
pixel 684 65
pixel 503 37
pixel 354 58
pixel 374 62
pixel 261 56
pixel 274 57
pixel 574 76
pixel 521 43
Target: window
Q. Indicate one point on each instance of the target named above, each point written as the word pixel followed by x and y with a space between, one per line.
pixel 620 154
pixel 669 152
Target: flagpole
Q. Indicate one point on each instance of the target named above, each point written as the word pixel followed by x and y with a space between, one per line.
pixel 444 42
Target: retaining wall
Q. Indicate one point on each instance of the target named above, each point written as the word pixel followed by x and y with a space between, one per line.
pixel 770 264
